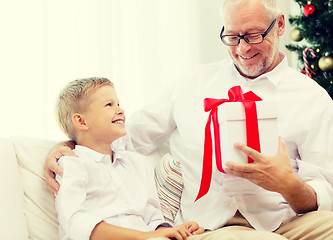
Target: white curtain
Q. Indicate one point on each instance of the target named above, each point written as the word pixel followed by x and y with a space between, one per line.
pixel 138 44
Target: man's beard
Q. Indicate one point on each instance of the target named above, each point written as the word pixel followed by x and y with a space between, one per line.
pixel 262 67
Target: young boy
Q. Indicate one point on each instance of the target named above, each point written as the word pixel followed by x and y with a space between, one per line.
pixel 105 194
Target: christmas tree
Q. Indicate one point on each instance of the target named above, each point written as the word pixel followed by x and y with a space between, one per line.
pixel 313 32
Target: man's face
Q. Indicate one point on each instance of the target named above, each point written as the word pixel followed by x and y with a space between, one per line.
pixel 252 60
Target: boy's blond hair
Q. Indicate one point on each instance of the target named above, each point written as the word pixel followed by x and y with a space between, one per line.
pixel 69 101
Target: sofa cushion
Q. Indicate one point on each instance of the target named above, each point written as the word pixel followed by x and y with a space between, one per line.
pixel 38 207
pixel 12 221
pixel 169 182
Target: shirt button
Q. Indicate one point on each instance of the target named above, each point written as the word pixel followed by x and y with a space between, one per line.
pixel 226 190
pixel 238 199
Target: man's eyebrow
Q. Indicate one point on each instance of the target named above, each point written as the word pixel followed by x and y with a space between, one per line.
pixel 248 31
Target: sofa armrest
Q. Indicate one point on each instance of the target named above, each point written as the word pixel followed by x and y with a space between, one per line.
pixel 12 221
pixel 38 207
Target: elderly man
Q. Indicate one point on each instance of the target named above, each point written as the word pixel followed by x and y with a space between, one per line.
pixel 286 196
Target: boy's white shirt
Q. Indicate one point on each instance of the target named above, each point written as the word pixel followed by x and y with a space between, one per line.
pixel 93 189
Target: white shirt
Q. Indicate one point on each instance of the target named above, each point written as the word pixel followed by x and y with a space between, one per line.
pixel 305 123
pixel 93 189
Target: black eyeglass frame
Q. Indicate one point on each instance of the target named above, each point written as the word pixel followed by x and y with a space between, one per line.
pixel 244 36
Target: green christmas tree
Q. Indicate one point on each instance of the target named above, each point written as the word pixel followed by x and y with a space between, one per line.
pixel 313 32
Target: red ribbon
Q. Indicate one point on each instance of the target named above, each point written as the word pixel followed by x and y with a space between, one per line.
pixel 235 94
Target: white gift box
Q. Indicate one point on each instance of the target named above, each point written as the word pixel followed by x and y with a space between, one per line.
pixel 231 117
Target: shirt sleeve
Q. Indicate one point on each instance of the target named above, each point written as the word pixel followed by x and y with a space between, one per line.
pixel 150 126
pixel 74 218
pixel 316 154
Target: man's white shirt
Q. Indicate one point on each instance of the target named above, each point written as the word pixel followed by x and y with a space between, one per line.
pixel 305 122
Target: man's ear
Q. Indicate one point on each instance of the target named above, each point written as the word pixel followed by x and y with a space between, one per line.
pixel 79 122
pixel 281 24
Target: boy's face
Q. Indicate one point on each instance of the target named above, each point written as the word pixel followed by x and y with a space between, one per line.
pixel 104 118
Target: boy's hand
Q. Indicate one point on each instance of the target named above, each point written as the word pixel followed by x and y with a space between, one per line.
pixel 168 233
pixel 51 167
pixel 194 227
pixel 179 232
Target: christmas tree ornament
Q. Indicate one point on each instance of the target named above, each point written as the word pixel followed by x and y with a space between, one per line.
pixel 311 72
pixel 306 63
pixel 308 9
pixel 314 18
pixel 326 63
pixel 296 35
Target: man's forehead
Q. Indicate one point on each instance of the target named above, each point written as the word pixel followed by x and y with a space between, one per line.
pixel 244 27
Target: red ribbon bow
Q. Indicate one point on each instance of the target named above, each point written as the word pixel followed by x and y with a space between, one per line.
pixel 235 94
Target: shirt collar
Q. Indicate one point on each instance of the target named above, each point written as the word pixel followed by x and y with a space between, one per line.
pixel 90 154
pixel 273 76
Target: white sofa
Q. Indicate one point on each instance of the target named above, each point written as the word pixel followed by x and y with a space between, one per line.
pixel 27 208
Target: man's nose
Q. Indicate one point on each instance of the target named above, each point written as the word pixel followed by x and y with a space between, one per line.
pixel 243 46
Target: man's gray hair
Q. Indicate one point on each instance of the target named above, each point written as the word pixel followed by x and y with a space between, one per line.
pixel 272 10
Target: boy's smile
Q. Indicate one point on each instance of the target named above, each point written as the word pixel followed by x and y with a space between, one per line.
pixel 119 121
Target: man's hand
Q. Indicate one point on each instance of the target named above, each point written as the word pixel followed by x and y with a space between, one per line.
pixel 275 173
pixel 51 167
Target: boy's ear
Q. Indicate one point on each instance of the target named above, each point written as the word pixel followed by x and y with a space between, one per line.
pixel 79 122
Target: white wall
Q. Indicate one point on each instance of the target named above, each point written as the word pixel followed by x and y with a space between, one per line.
pixel 44 45
pixel 138 44
pixel 22 73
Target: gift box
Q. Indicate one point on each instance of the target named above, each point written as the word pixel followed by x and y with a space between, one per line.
pixel 231 118
pixel 243 118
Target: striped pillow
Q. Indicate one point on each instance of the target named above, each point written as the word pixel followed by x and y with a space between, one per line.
pixel 169 182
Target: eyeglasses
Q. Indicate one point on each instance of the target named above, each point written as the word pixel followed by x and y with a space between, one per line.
pixel 253 38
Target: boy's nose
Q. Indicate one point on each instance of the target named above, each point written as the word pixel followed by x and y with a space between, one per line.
pixel 120 110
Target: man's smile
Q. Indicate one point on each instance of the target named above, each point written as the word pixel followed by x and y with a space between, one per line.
pixel 248 57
